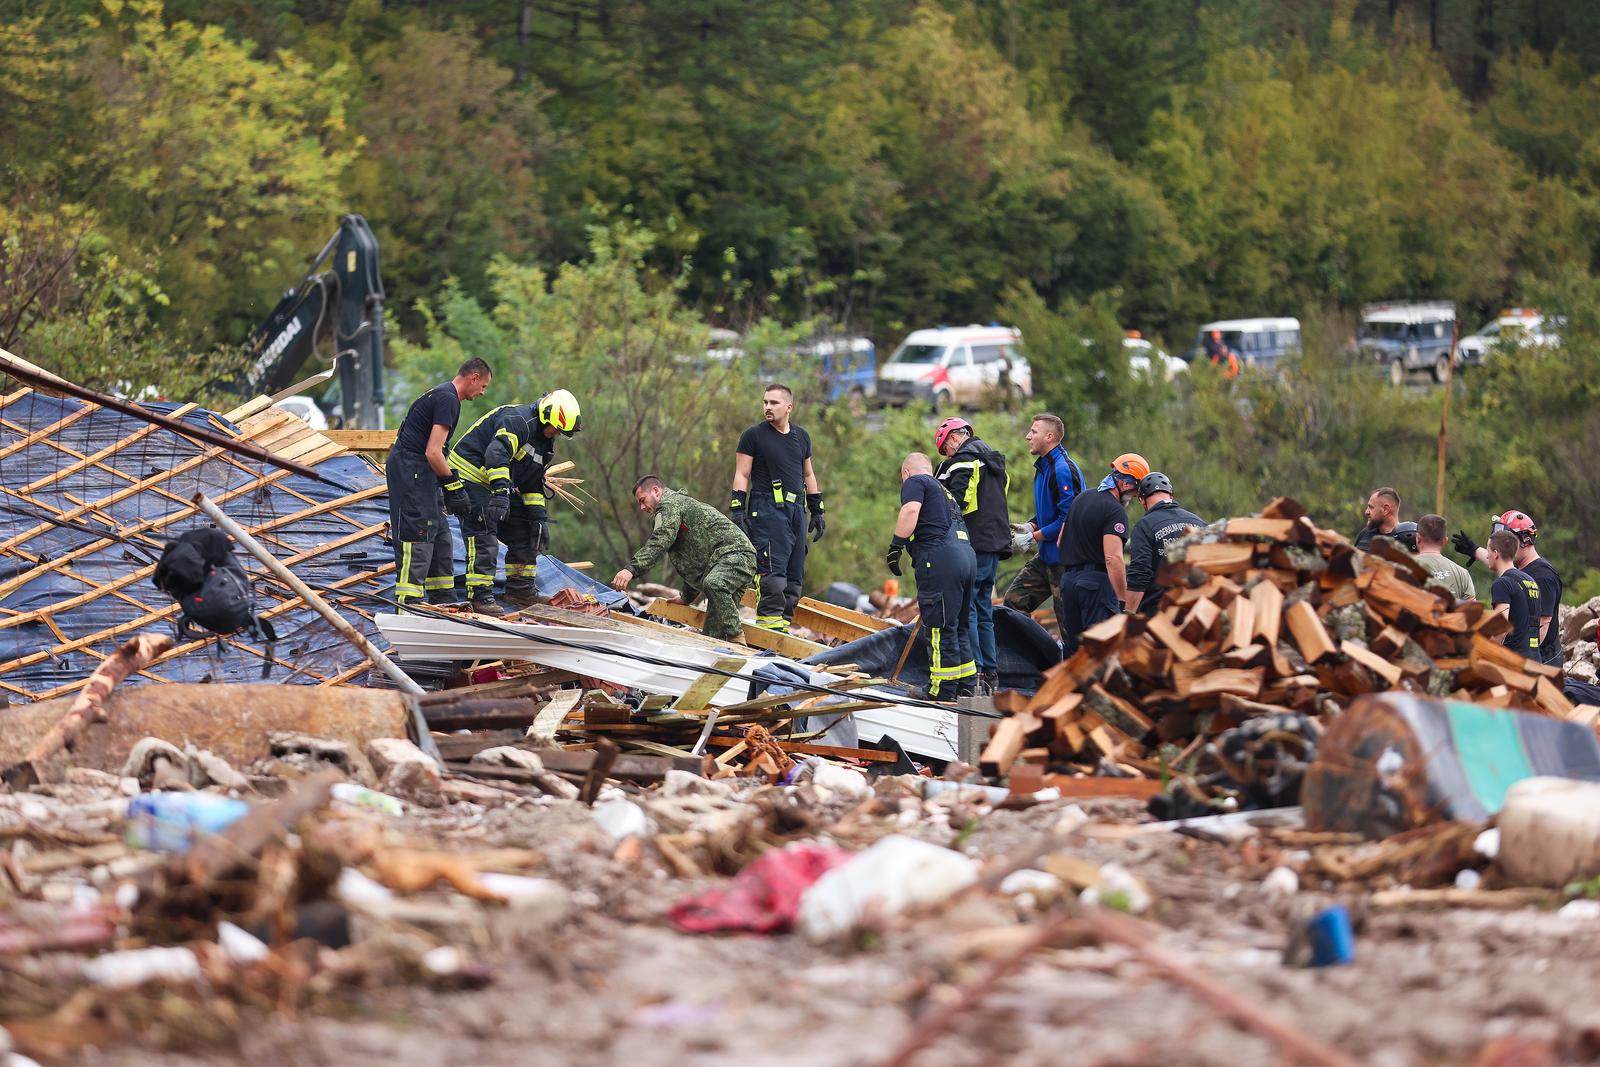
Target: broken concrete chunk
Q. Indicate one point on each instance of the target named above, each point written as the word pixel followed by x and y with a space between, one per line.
pixel 387 753
pixel 549 781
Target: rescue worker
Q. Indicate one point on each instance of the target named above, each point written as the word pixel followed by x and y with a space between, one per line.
pixel 1514 593
pixel 1056 481
pixel 1430 553
pixel 1164 524
pixel 502 458
pixel 942 559
pixel 1221 355
pixel 1094 582
pixel 975 477
pixel 711 554
pixel 1536 567
pixel 1383 517
pixel 772 470
pixel 423 486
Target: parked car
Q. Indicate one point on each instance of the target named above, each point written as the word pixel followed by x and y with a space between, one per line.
pixel 955 366
pixel 846 367
pixel 1144 357
pixel 1406 337
pixel 1259 343
pixel 304 408
pixel 1513 327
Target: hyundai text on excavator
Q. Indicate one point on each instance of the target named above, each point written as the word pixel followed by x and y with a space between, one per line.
pixel 344 301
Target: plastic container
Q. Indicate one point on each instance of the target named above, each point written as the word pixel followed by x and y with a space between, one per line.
pixel 359 796
pixel 174 821
pixel 1333 940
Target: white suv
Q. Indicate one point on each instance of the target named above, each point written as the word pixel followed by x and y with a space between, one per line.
pixel 1519 327
pixel 956 366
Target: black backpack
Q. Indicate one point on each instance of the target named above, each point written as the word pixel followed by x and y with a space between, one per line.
pixel 199 571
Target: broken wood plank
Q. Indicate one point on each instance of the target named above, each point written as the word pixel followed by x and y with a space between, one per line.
pixel 1006 744
pixel 697 697
pixel 1226 680
pixel 552 715
pixel 1267 599
pixel 1197 625
pixel 1241 623
pixel 1388 671
pixel 1223 557
pixel 1310 636
pixel 1104 636
pixel 1117 712
pixel 1165 632
pixel 754 636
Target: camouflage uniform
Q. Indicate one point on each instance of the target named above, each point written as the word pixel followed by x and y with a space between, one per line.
pixel 709 552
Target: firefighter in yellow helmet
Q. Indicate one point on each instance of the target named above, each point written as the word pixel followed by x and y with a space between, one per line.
pixel 503 459
pixel 1094 580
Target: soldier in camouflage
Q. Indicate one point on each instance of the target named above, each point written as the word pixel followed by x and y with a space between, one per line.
pixel 710 553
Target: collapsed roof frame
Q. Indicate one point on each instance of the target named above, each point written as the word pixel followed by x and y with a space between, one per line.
pixel 80 529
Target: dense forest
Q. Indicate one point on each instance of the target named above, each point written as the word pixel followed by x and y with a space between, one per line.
pixel 579 189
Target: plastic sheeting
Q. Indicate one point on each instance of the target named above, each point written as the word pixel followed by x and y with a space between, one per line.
pixel 1023 648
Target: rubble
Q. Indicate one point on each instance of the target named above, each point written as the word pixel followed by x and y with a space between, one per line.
pixel 1271 629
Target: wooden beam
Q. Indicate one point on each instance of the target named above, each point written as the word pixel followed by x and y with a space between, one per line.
pixel 1309 634
pixel 362 440
pixel 754 636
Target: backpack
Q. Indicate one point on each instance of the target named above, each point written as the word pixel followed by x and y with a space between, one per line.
pixel 200 572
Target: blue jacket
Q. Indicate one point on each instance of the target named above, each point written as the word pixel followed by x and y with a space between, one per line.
pixel 1056 480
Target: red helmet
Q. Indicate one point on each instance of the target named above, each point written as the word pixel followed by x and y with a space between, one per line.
pixel 946 428
pixel 1518 522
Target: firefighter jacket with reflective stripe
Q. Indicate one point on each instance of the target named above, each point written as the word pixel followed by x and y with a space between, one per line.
pixel 506 449
pixel 976 478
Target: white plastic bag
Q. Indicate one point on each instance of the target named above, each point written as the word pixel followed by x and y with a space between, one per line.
pixel 894 874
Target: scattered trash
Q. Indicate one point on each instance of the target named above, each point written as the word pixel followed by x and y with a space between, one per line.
pixel 763 898
pixel 1280 882
pixel 135 967
pixel 621 818
pixel 174 822
pixel 892 875
pixel 1332 939
pixel 359 796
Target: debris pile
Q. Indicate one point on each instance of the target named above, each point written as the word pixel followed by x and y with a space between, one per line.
pixel 1580 639
pixel 1270 627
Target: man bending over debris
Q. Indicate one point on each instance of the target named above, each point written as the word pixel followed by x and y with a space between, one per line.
pixel 422 487
pixel 930 525
pixel 710 553
pixel 509 449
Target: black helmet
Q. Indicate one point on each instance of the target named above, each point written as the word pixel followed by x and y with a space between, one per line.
pixel 1154 482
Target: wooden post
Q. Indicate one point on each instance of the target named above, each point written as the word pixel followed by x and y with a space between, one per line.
pixel 1444 415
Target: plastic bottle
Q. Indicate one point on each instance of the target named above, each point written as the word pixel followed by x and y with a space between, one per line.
pixel 173 821
pixel 359 796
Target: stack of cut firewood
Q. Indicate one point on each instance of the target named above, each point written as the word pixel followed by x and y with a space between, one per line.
pixel 1262 616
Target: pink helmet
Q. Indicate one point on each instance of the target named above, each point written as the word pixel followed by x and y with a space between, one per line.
pixel 946 428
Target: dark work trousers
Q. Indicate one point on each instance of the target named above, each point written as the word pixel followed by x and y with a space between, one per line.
pixel 1035 583
pixel 1086 598
pixel 483 547
pixel 424 557
pixel 522 556
pixel 778 532
pixel 945 573
pixel 980 623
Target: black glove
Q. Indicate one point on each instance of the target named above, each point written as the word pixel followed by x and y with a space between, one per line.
pixel 739 509
pixel 456 500
pixel 499 505
pixel 1465 545
pixel 819 525
pixel 892 557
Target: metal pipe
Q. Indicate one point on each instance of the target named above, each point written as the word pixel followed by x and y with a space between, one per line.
pixel 400 678
pixel 24 371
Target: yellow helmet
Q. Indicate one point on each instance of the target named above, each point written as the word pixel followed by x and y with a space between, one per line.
pixel 560 409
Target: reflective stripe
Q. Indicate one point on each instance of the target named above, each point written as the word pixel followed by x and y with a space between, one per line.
pixel 522 570
pixel 777 493
pixel 442 581
pixel 533 499
pixel 970 502
pixel 962 535
pixel 498 474
pixel 773 622
pixel 935 672
pixel 470 471
pixel 404 588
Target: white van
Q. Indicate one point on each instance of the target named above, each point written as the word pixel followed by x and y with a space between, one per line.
pixel 1516 328
pixel 955 366
pixel 1257 342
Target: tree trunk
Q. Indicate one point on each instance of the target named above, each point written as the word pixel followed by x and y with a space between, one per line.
pixel 1483 55
pixel 524 30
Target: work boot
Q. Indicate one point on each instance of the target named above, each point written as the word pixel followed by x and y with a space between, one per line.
pixel 966 687
pixel 485 605
pixel 988 683
pixel 523 598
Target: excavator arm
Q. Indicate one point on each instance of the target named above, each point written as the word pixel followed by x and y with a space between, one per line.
pixel 340 298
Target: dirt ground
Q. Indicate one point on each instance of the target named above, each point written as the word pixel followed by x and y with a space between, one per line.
pixel 617 984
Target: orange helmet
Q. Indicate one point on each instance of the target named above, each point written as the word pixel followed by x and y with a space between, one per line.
pixel 1130 465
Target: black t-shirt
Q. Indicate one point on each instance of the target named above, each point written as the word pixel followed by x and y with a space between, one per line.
pixel 938 512
pixel 1549 582
pixel 1521 592
pixel 778 460
pixel 439 406
pixel 1091 517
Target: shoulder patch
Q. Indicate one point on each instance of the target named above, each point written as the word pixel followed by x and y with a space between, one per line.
pixel 1121 527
